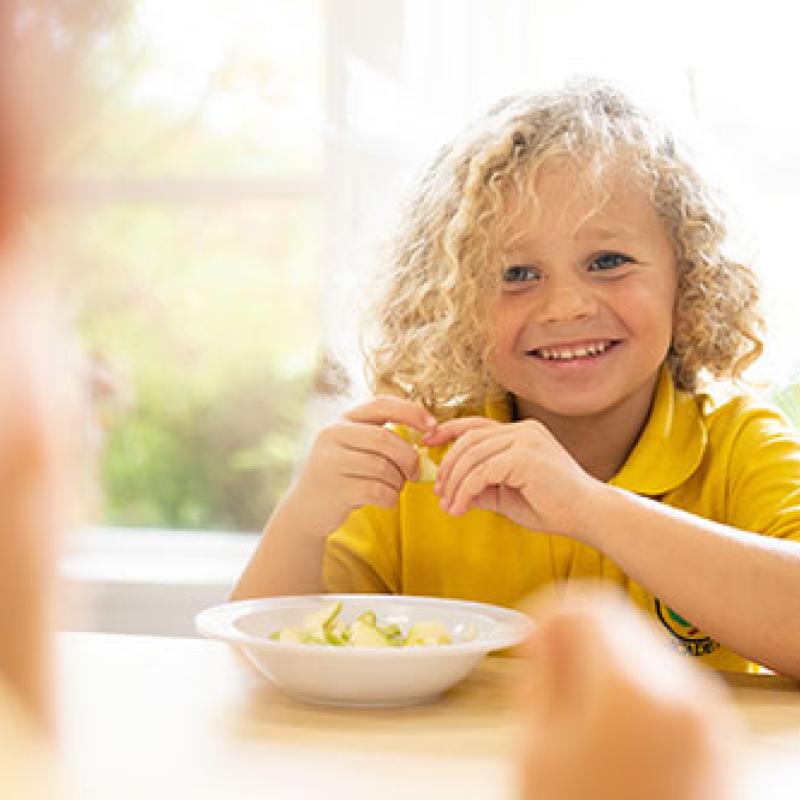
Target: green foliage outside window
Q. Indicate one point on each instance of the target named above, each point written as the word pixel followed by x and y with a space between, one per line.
pixel 202 304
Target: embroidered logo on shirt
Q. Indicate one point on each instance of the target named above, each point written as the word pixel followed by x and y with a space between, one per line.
pixel 688 638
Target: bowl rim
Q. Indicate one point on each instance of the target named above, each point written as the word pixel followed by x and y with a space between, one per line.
pixel 219 622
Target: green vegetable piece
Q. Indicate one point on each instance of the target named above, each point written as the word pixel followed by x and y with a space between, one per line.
pixel 364 635
pixel 427 466
pixel 335 635
pixel 426 633
pixel 368 618
pixel 315 623
pixel 394 634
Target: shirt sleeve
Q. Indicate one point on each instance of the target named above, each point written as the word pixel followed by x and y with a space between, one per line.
pixel 363 555
pixel 764 470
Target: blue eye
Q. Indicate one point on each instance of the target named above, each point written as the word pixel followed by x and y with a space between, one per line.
pixel 607 261
pixel 520 274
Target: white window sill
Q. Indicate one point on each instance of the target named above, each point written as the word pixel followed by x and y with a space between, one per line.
pixel 146 581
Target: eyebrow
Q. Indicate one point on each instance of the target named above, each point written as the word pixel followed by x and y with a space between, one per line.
pixel 522 249
pixel 602 232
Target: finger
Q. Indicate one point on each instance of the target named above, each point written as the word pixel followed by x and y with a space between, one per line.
pixel 385 409
pixel 371 492
pixel 548 678
pixel 381 442
pixel 366 465
pixel 488 499
pixel 494 471
pixel 452 429
pixel 566 635
pixel 468 459
pixel 464 443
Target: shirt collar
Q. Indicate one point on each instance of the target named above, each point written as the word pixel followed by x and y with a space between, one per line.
pixel 499 409
pixel 671 445
pixel 669 449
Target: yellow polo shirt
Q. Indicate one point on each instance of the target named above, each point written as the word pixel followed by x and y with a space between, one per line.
pixel 737 463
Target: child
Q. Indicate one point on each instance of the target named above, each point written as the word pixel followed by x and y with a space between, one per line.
pixel 558 295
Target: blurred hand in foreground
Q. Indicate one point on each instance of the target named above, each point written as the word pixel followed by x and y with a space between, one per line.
pixel 36 501
pixel 610 713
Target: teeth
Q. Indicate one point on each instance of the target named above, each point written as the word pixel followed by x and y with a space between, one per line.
pixel 565 354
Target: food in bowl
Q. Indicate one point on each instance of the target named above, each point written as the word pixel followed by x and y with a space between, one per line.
pixel 325 627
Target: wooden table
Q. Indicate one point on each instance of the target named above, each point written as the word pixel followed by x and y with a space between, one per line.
pixel 154 717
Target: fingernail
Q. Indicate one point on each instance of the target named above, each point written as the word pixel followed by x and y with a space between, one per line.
pixel 427 436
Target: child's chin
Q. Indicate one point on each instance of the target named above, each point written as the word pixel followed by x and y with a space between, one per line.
pixel 574 403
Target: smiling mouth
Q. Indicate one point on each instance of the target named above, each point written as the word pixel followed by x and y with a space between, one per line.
pixel 580 352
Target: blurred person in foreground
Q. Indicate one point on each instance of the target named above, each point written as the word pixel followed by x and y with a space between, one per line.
pixel 610 713
pixel 35 489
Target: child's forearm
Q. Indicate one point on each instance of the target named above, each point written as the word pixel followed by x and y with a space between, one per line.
pixel 741 588
pixel 287 560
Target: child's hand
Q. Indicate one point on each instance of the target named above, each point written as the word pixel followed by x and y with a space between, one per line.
pixel 610 712
pixel 518 470
pixel 357 461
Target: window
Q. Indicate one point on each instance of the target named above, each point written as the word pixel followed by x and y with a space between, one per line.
pixel 187 233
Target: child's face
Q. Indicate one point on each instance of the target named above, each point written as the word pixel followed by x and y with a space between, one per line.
pixel 585 312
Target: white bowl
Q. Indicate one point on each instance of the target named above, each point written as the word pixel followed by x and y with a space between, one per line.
pixel 364 676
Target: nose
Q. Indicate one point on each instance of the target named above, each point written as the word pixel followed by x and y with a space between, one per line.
pixel 564 300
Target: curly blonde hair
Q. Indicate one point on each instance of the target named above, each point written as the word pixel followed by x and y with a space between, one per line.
pixel 430 338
